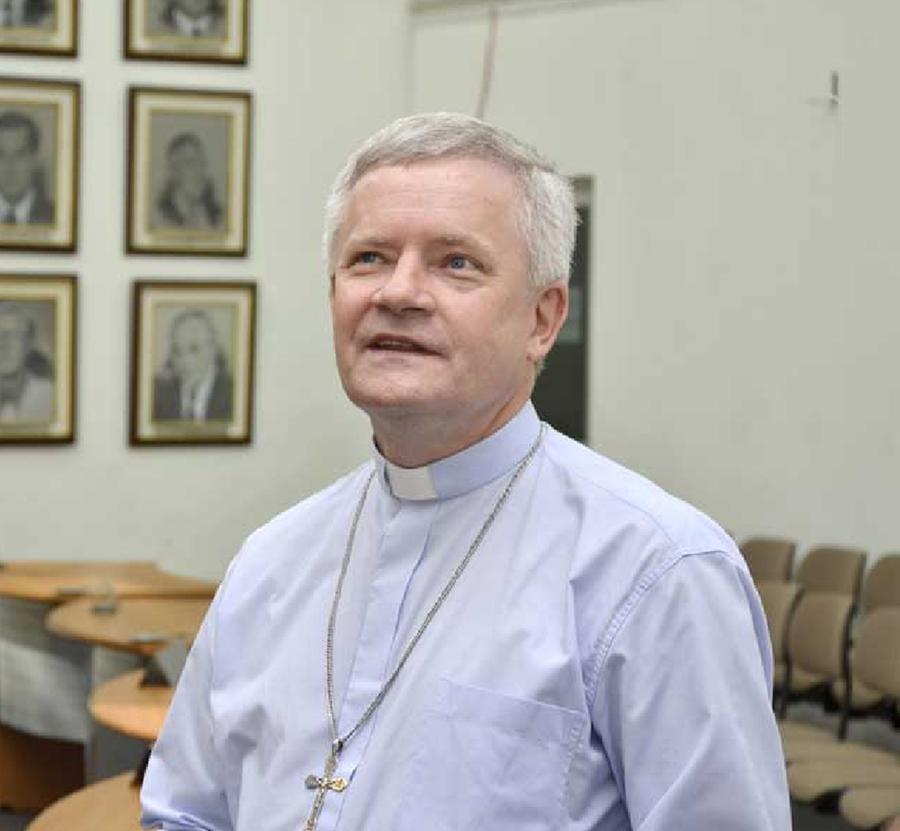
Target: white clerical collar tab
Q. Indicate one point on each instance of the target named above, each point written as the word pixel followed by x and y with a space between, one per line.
pixel 471 468
pixel 410 482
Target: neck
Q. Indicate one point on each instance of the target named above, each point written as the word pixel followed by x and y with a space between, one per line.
pixel 415 440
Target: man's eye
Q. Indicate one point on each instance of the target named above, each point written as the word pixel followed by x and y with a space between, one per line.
pixel 458 263
pixel 368 258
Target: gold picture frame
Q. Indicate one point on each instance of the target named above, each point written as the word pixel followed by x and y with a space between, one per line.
pixel 39 164
pixel 199 31
pixel 38 343
pixel 48 28
pixel 192 368
pixel 188 172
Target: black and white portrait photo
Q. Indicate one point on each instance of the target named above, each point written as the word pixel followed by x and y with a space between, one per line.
pixel 197 30
pixel 189 181
pixel 36 357
pixel 26 363
pixel 38 160
pixel 38 26
pixel 193 362
pixel 27 134
pixel 188 172
pixel 194 380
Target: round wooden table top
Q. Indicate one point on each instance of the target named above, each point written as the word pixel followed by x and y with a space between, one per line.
pixel 125 706
pixel 113 805
pixel 139 625
pixel 58 581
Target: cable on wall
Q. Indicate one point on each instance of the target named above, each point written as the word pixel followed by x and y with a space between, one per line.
pixel 487 65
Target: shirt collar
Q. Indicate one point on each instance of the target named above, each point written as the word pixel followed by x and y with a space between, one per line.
pixel 189 25
pixel 470 468
pixel 21 209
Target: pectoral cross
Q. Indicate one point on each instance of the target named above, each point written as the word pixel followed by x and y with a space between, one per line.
pixel 322 784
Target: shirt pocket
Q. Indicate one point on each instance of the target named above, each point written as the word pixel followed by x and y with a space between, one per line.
pixel 488 761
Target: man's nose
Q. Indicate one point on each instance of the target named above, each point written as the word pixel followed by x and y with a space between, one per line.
pixel 407 288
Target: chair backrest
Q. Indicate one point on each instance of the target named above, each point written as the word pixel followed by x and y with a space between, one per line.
pixel 834 569
pixel 778 601
pixel 769 558
pixel 819 632
pixel 876 654
pixel 882 585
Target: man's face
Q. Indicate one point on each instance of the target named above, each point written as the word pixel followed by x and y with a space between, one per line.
pixel 18 163
pixel 193 351
pixel 13 343
pixel 432 309
pixel 193 7
pixel 187 167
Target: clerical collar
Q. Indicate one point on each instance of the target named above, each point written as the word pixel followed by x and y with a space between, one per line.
pixel 470 468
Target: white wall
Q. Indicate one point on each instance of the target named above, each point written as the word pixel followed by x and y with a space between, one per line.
pixel 324 75
pixel 745 252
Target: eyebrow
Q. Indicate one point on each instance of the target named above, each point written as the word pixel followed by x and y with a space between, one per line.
pixel 464 241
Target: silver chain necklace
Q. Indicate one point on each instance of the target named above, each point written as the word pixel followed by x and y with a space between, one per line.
pixel 328 782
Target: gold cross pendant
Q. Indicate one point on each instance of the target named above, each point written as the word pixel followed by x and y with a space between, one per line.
pixel 322 785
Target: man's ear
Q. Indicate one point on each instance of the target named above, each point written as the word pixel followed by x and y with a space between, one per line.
pixel 550 309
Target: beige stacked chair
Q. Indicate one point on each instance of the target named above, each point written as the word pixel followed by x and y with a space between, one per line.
pixel 871 807
pixel 836 766
pixel 818 639
pixel 832 569
pixel 770 559
pixel 881 588
pixel 778 600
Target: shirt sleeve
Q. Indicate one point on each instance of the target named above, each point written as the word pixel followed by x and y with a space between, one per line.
pixel 683 703
pixel 184 787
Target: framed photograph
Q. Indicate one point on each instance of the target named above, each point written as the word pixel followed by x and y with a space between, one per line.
pixel 210 31
pixel 39 27
pixel 188 172
pixel 39 137
pixel 37 358
pixel 192 362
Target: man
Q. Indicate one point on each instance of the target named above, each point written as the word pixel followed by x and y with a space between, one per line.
pixel 26 390
pixel 195 384
pixel 23 199
pixel 25 13
pixel 194 18
pixel 489 625
pixel 188 198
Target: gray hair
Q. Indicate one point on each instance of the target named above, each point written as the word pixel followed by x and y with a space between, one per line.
pixel 547 216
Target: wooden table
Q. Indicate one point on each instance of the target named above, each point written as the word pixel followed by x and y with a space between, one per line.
pixel 111 805
pixel 130 627
pixel 57 581
pixel 125 706
pixel 45 681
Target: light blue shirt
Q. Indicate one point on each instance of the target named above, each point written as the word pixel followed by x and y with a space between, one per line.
pixel 603 663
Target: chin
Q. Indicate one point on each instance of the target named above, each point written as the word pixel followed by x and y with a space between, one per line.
pixel 393 399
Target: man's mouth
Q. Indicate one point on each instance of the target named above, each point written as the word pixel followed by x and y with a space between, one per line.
pixel 395 343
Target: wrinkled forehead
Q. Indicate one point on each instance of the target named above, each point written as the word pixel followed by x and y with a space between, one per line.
pixel 480 193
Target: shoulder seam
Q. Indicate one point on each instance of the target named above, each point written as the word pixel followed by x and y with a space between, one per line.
pixel 604 643
pixel 617 496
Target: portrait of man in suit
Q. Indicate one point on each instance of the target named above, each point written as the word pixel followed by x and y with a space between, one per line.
pixel 195 381
pixel 190 18
pixel 187 198
pixel 26 372
pixel 30 14
pixel 23 191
